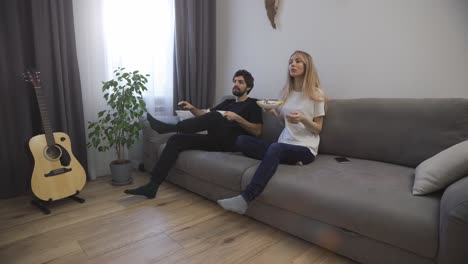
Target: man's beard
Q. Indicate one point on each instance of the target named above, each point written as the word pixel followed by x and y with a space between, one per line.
pixel 238 93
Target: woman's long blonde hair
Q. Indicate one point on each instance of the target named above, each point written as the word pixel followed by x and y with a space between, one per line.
pixel 311 84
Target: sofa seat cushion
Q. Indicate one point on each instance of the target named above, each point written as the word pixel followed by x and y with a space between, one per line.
pixel 366 197
pixel 222 168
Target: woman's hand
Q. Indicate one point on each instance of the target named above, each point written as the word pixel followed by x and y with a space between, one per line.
pixel 295 117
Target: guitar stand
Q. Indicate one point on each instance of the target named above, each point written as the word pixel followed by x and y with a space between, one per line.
pixel 42 205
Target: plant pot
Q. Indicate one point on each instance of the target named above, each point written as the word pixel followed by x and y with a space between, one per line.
pixel 121 172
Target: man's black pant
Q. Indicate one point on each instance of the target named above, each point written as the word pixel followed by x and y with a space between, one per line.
pixel 220 137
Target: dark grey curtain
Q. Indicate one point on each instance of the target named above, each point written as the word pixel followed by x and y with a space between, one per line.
pixel 39 34
pixel 195 52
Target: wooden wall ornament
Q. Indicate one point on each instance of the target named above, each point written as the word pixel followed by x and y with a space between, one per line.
pixel 271 7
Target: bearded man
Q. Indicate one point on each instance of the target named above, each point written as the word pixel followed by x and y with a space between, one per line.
pixel 224 123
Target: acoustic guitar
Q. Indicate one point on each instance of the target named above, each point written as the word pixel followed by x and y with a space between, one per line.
pixel 57 174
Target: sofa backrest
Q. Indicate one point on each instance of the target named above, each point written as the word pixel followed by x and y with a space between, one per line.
pixel 399 131
pixel 271 128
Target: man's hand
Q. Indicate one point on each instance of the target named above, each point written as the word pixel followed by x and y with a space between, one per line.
pixel 185 105
pixel 252 128
pixel 295 117
pixel 231 116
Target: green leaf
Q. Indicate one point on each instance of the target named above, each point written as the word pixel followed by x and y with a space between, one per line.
pixel 119 124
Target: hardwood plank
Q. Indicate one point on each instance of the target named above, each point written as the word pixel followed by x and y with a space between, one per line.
pixel 29 253
pixel 20 210
pixel 72 258
pixel 224 224
pixel 176 227
pixel 148 250
pixel 285 251
pixel 227 238
pixel 48 224
pixel 319 255
pixel 30 221
pixel 50 241
pixel 130 229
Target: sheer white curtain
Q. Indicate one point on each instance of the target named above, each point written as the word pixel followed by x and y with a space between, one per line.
pixel 134 34
pixel 139 35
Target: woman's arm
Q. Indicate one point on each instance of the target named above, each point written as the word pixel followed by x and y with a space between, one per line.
pixel 314 125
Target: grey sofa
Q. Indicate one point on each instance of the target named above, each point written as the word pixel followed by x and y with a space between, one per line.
pixel 363 210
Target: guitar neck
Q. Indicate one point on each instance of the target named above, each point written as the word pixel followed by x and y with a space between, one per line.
pixel 45 116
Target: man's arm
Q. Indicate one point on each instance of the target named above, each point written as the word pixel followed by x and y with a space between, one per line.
pixel 195 111
pixel 254 129
pixel 198 112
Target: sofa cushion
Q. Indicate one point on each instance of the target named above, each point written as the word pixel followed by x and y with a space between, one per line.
pixel 222 168
pixel 367 197
pixel 439 171
pixel 399 131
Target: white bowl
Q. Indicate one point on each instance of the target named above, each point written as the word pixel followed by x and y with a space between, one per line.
pixel 184 114
pixel 269 104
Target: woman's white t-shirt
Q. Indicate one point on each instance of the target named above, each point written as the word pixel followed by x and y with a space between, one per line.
pixel 298 134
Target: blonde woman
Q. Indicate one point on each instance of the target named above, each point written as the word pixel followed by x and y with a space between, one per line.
pixel 302 117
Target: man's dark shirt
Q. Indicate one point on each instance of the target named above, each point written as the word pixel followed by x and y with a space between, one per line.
pixel 248 109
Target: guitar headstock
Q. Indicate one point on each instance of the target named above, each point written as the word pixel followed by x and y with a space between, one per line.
pixel 34 77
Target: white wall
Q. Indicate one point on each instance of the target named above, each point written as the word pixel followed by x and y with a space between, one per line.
pixel 362 48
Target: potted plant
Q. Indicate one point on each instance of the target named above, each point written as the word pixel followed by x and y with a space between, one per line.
pixel 120 126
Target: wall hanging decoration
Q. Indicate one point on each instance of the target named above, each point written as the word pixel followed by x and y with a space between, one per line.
pixel 271 7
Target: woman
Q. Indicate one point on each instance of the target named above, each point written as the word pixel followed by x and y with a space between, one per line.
pixel 302 117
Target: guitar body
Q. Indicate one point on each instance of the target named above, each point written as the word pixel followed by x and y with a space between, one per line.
pixel 57 174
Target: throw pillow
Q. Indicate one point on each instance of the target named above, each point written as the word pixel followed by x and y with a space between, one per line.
pixel 441 170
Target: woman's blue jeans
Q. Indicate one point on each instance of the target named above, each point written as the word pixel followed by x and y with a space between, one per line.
pixel 271 155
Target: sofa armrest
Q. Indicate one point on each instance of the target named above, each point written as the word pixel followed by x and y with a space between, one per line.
pixel 453 233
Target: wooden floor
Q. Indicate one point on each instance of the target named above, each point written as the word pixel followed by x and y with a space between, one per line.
pixel 112 227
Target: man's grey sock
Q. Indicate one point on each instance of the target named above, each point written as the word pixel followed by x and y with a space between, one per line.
pixel 149 190
pixel 159 126
pixel 235 204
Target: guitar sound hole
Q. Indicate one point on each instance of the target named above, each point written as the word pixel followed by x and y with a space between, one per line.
pixel 52 152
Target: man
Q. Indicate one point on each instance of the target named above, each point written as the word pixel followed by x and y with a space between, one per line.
pixel 224 123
